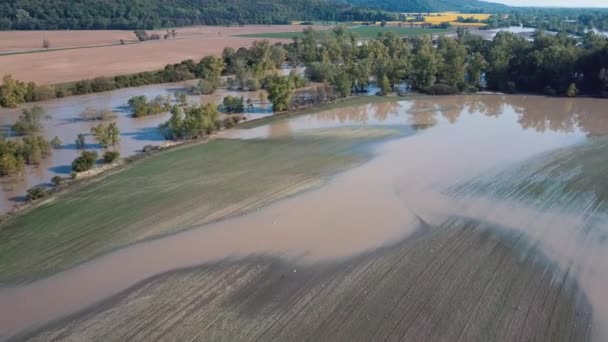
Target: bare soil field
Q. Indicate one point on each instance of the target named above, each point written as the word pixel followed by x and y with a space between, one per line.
pixel 456 283
pixel 51 67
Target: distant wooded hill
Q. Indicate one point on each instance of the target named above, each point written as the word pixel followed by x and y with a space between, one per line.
pixel 148 14
pixel 430 5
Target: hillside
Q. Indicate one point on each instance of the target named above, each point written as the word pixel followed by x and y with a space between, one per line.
pixel 430 5
pixel 148 14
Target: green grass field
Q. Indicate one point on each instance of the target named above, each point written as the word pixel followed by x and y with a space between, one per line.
pixel 165 193
pixel 362 32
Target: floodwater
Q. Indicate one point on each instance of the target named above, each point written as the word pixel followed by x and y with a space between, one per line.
pixel 66 123
pixel 452 162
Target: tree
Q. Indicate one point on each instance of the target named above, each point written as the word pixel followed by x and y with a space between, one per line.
pixel 80 141
pixel 424 64
pixel 343 83
pixel 57 180
pixel 110 156
pixel 210 70
pixel 30 121
pixel 280 91
pixel 107 135
pixel 385 85
pixel 12 92
pixel 85 161
pixel 453 54
pixel 142 107
pixel 572 91
pixel 141 35
pixel 37 192
pixel 56 143
pixel 233 104
pixel 475 66
pixel 360 73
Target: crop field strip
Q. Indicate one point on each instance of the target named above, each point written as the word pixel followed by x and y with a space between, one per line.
pixel 166 193
pixel 454 282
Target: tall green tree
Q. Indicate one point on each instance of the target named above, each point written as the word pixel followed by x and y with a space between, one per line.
pixel 280 91
pixel 476 65
pixel 425 63
pixel 453 54
pixel 12 92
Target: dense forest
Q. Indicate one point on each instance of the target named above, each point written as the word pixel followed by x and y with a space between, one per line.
pixel 149 14
pixel 466 6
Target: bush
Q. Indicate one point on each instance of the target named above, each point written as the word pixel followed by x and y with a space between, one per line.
pixel 472 90
pixel 205 87
pixel 253 84
pixel 511 88
pixel 233 104
pixel 37 192
pixel 441 89
pixel 549 91
pixel 85 162
pixel 30 121
pixel 57 180
pixel 572 91
pixel 150 148
pixel 110 156
pixel 56 143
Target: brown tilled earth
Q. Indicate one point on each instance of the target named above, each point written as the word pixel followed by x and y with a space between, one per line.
pixel 458 282
pixel 51 67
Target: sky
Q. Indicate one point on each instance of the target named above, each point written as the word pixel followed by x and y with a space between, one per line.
pixel 555 3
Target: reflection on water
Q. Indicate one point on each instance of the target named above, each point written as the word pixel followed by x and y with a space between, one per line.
pixel 538 113
pixel 433 175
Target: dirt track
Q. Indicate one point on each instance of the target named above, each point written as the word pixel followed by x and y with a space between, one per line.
pixel 456 284
pixel 50 67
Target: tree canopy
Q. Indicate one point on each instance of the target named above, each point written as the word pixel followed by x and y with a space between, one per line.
pixel 149 14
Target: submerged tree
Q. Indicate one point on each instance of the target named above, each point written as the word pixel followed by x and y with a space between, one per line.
pixel 107 135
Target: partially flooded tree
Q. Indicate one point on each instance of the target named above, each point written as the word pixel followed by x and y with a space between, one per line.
pixel 12 92
pixel 106 135
pixel 280 91
pixel 80 141
pixel 30 121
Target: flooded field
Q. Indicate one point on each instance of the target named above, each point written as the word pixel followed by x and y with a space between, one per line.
pixel 420 220
pixel 66 123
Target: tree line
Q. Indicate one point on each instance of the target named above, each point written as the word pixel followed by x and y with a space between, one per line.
pixel 152 14
pixel 574 21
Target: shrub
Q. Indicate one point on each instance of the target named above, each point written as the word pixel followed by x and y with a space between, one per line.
pixel 57 180
pixel 30 121
pixel 233 104
pixel 511 88
pixel 206 87
pixel 56 143
pixel 441 89
pixel 37 192
pixel 549 91
pixel 110 156
pixel 85 162
pixel 253 84
pixel 150 148
pixel 228 122
pixel 572 91
pixel 472 90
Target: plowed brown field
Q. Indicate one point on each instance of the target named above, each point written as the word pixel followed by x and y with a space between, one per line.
pixel 90 54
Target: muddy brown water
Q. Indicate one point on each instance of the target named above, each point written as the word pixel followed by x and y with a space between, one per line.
pixel 408 180
pixel 66 123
